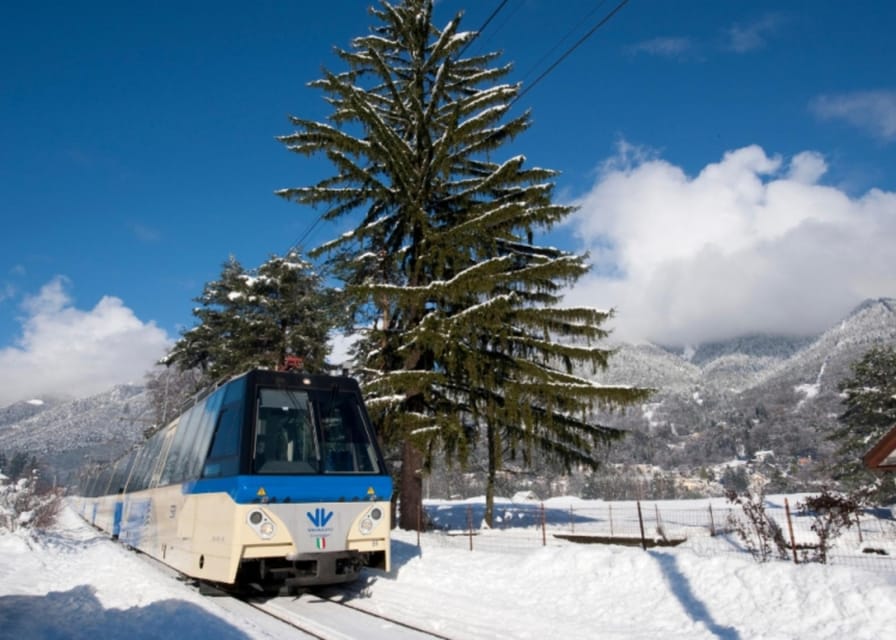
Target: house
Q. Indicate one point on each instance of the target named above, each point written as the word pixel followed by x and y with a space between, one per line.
pixel 881 458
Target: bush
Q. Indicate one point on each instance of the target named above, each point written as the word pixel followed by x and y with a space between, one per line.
pixel 759 532
pixel 831 513
pixel 23 505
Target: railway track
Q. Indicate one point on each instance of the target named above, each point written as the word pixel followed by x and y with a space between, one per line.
pixel 325 617
pixel 325 614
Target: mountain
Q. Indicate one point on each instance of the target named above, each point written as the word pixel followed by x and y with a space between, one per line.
pixel 733 399
pixel 19 411
pixel 63 435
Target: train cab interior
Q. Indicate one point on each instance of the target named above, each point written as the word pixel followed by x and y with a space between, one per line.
pixel 296 433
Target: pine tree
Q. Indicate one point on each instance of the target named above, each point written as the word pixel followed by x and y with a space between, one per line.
pixel 255 319
pixel 464 334
pixel 870 399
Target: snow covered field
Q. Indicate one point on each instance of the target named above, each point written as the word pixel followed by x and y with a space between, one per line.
pixel 74 583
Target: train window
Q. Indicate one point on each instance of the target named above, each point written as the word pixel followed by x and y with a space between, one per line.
pixel 176 453
pixel 161 455
pixel 224 456
pixel 148 458
pixel 120 474
pixel 143 466
pixel 135 481
pixel 197 443
pixel 285 441
pixel 347 443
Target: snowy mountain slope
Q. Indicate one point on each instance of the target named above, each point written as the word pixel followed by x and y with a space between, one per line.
pixel 20 411
pixel 769 398
pixel 64 435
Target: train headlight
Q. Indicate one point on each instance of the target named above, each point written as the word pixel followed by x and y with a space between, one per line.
pixel 261 524
pixel 370 520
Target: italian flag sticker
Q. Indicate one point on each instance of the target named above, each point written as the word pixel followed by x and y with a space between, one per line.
pixel 321 543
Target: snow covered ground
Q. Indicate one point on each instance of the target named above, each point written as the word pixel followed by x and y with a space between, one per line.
pixel 75 583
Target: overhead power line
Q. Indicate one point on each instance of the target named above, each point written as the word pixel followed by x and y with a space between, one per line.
pixel 562 40
pixel 479 31
pixel 569 51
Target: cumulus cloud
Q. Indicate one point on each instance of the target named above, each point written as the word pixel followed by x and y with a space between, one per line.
pixel 751 243
pixel 872 111
pixel 66 350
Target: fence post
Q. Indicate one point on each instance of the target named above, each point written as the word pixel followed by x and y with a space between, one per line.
pixel 712 524
pixel 859 524
pixel 419 525
pixel 641 523
pixel 610 509
pixel 790 528
pixel 544 535
pixel 470 525
pixel 572 520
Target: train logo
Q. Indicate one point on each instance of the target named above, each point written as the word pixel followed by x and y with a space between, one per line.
pixel 320 517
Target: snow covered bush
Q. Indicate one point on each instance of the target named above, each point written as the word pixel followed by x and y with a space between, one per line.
pixel 23 505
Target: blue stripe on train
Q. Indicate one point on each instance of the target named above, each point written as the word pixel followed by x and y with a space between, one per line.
pixel 312 488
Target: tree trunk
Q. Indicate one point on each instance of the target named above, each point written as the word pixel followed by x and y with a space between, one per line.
pixel 411 489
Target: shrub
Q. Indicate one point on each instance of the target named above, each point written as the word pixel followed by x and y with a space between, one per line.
pixel 831 513
pixel 758 531
pixel 23 505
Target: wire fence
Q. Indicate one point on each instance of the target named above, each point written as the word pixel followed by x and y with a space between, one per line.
pixel 869 542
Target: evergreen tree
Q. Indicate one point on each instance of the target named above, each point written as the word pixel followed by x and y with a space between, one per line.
pixel 255 319
pixel 465 334
pixel 870 399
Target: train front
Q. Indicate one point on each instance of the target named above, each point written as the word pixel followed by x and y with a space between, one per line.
pixel 312 496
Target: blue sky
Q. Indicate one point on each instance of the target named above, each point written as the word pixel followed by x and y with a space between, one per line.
pixel 735 162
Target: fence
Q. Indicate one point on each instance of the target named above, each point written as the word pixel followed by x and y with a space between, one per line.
pixel 708 528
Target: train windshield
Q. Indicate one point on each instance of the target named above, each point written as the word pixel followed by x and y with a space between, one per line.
pixel 298 431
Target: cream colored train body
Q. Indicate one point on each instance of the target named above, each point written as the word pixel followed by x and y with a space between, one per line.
pixel 272 479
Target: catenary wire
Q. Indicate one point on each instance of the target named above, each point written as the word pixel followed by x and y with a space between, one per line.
pixel 569 51
pixel 551 51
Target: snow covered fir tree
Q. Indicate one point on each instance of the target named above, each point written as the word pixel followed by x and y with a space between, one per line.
pixel 465 341
pixel 254 319
pixel 870 401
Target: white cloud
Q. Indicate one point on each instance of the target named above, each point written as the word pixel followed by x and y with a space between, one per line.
pixel 751 243
pixel 873 111
pixel 743 38
pixel 65 350
pixel 672 47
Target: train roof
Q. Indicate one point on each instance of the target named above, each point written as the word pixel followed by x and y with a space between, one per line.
pixel 277 377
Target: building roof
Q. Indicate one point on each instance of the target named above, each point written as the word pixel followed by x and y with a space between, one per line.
pixel 881 458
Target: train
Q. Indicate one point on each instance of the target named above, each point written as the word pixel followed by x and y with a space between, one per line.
pixel 272 480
